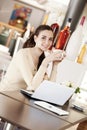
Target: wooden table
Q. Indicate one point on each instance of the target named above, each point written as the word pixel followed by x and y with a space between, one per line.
pixel 28 117
pixel 21 111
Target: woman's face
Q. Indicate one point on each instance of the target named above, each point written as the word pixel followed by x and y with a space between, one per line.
pixel 44 40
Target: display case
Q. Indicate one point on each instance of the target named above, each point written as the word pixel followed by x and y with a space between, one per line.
pixel 8 34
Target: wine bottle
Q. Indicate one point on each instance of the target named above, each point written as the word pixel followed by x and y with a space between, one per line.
pixel 46 16
pixel 63 36
pixel 55 28
pixel 75 42
pixel 82 54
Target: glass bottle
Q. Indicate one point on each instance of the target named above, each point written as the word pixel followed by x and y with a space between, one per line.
pixel 45 18
pixel 55 28
pixel 63 36
pixel 75 42
pixel 82 54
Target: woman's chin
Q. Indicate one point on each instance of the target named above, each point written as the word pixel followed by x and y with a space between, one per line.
pixel 44 49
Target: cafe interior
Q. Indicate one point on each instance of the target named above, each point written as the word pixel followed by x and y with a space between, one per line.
pixel 19 19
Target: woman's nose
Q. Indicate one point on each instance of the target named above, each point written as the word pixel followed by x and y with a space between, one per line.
pixel 47 42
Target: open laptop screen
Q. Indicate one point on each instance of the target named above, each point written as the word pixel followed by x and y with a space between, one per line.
pixel 52 92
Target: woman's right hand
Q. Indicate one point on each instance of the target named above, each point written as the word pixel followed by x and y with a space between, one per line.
pixel 57 55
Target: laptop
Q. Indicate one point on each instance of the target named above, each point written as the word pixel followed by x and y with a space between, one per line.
pixel 51 92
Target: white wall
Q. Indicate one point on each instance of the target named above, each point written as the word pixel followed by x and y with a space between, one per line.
pixel 84 13
pixel 56 8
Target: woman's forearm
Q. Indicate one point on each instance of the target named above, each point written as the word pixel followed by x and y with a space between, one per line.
pixel 39 77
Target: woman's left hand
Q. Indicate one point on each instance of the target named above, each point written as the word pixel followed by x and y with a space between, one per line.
pixel 61 53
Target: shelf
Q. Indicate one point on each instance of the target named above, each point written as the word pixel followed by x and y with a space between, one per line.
pixel 9 33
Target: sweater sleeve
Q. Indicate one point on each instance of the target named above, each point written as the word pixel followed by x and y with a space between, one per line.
pixel 39 77
pixel 26 69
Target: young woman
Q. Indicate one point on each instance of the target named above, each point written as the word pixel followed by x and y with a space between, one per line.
pixel 28 67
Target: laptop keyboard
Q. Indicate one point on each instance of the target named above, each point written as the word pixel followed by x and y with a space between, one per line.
pixel 26 92
pixel 51 108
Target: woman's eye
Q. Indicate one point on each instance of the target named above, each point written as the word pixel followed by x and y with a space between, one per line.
pixel 43 38
pixel 51 39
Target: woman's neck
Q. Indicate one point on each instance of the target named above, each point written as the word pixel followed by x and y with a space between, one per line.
pixel 37 52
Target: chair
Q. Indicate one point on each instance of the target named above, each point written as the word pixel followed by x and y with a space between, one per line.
pixel 18 45
pixel 82 125
pixel 13 48
pixel 5 59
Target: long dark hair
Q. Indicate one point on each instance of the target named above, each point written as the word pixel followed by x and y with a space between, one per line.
pixel 31 43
